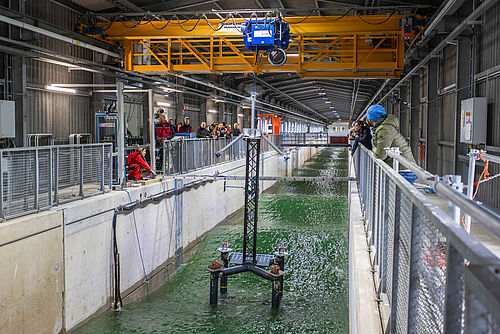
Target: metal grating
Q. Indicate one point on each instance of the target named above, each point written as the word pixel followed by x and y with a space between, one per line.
pixel 404 249
pixel 38 178
pixel 262 260
pixel 429 285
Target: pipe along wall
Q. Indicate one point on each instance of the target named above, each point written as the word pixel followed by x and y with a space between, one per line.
pixel 59 267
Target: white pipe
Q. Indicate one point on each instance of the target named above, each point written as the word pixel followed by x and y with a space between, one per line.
pixel 439 17
pixel 253 111
pixel 27 26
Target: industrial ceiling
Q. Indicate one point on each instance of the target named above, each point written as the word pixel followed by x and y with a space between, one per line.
pixel 331 98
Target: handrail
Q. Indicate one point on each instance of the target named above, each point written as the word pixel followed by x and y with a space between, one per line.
pixel 430 274
pixel 461 238
pixel 37 178
pixel 490 157
pixel 48 147
pixel 487 218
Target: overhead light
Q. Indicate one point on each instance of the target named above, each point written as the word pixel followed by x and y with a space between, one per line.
pixel 321 93
pixel 163 104
pixel 61 89
pixel 170 90
pixel 212 111
pixel 240 115
pixel 166 95
pixel 328 102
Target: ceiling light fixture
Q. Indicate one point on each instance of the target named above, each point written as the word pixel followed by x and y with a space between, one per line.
pixel 328 102
pixel 240 115
pixel 212 111
pixel 163 104
pixel 61 89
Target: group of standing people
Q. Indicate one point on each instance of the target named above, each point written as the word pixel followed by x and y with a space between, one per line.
pixel 167 129
pixel 217 130
pixel 384 133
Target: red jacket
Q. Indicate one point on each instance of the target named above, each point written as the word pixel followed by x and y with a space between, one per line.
pixel 163 130
pixel 135 158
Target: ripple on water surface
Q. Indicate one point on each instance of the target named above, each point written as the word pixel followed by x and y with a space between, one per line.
pixel 311 219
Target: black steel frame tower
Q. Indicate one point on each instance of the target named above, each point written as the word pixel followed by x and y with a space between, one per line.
pixel 251 200
pixel 249 260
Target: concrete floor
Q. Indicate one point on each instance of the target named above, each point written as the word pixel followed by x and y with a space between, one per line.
pixel 364 316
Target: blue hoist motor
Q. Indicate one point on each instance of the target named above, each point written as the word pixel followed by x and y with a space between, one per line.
pixel 266 34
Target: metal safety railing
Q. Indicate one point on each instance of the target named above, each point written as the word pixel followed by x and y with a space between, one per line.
pixel 37 178
pixel 304 138
pixel 432 276
pixel 182 156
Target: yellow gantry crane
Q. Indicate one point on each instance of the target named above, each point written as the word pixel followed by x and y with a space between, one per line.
pixel 360 46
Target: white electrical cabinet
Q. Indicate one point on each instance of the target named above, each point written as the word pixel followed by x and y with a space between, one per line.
pixel 7 119
pixel 473 120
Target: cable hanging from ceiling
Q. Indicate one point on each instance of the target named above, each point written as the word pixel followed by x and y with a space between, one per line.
pixel 199 17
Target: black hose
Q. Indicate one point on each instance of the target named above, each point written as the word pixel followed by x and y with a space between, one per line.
pixel 126 209
pixel 117 302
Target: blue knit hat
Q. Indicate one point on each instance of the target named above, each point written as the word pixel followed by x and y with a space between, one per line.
pixel 375 112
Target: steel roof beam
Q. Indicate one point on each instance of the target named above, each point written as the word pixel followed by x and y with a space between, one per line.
pixel 483 7
pixel 175 4
pixel 285 95
pixel 126 5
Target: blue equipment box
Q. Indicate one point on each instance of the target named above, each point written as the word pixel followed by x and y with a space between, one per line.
pixel 265 35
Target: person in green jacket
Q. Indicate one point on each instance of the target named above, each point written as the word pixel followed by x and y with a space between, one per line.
pixel 386 134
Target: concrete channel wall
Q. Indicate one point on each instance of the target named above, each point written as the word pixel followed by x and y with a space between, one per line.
pixel 57 266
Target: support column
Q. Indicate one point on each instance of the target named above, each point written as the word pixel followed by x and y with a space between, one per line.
pixel 179 108
pixel 414 110
pixel 203 111
pixel 120 141
pixel 464 79
pixel 253 118
pixel 151 126
pixel 403 111
pixel 19 87
pixel 433 111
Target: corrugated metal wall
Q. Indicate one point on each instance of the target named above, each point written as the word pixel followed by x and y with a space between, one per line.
pixel 51 112
pixel 487 57
pixel 447 105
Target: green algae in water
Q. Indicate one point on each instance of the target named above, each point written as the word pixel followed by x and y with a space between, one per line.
pixel 311 219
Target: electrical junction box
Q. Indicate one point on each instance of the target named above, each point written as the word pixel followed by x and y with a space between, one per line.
pixel 7 119
pixel 473 120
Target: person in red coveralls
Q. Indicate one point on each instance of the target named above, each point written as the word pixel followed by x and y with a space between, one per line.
pixel 137 165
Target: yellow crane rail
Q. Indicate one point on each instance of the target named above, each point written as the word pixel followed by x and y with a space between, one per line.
pixel 369 46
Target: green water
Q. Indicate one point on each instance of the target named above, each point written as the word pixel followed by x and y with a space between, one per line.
pixel 311 219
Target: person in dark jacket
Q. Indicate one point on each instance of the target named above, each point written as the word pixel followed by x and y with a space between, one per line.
pixel 202 132
pixel 236 130
pixel 186 127
pixel 172 126
pixel 363 136
pixel 137 166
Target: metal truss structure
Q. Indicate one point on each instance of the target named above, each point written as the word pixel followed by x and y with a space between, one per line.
pixel 251 200
pixel 368 46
